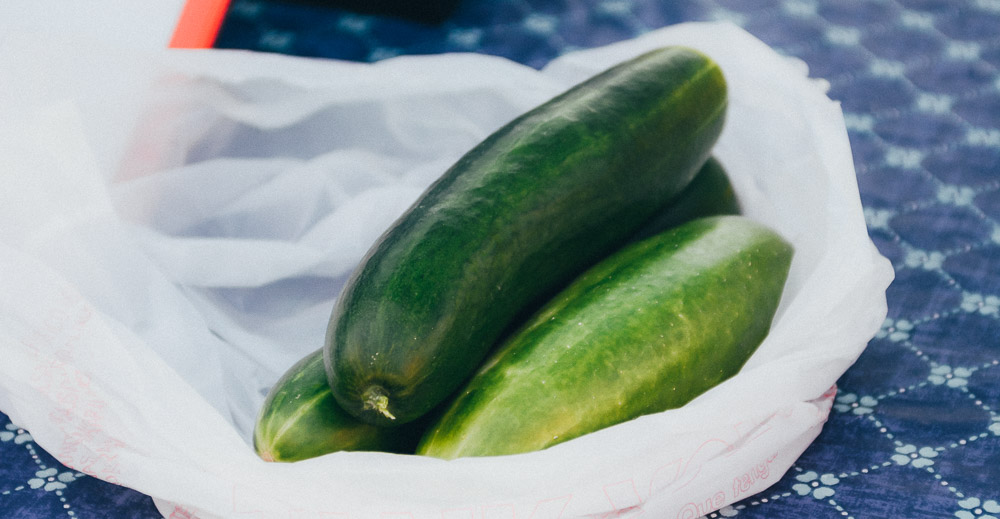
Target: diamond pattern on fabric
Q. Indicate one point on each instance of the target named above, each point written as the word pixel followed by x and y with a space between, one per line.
pixel 954 226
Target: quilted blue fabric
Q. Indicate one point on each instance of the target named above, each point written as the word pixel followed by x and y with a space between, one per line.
pixel 915 431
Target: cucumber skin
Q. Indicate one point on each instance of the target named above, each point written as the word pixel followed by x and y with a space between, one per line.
pixel 646 330
pixel 710 193
pixel 301 420
pixel 320 426
pixel 516 218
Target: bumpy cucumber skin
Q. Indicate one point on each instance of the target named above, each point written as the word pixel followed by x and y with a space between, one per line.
pixel 516 218
pixel 710 193
pixel 301 420
pixel 646 330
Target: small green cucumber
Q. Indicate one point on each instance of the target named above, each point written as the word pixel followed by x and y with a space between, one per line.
pixel 515 219
pixel 301 420
pixel 648 329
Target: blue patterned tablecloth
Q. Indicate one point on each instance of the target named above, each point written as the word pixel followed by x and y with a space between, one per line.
pixel 915 432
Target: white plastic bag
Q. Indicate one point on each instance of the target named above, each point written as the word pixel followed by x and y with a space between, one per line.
pixel 175 226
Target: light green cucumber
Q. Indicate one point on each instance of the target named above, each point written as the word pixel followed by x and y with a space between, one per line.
pixel 648 329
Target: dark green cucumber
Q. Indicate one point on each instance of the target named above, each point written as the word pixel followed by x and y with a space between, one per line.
pixel 301 420
pixel 516 218
pixel 710 193
pixel 646 330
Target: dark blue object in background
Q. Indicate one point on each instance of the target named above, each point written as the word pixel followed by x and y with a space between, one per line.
pixel 915 432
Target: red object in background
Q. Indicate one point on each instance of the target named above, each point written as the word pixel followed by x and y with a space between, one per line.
pixel 199 24
pixel 200 20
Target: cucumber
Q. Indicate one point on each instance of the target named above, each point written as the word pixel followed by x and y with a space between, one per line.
pixel 648 329
pixel 517 217
pixel 301 420
pixel 709 194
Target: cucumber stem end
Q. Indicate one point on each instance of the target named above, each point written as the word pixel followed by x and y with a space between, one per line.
pixel 376 399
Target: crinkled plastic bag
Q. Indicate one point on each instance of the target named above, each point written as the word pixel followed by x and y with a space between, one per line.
pixel 175 226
